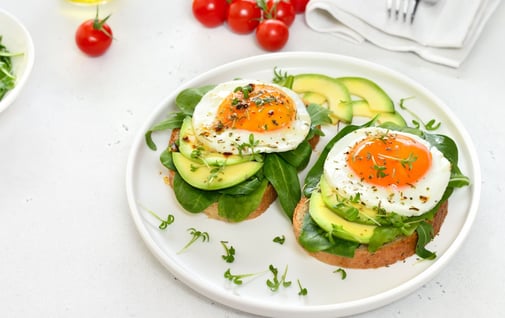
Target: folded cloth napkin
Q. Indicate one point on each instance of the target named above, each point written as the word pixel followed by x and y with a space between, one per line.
pixel 442 33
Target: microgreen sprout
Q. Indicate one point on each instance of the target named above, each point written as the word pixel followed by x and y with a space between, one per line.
pixel 262 101
pixel 303 291
pixel 229 257
pixel 197 153
pixel 405 162
pixel 280 239
pixel 380 171
pixel 214 172
pixel 164 223
pixel 282 78
pixel 342 272
pixel 430 125
pixel 275 283
pixel 249 146
pixel 245 90
pixel 236 279
pixel 196 235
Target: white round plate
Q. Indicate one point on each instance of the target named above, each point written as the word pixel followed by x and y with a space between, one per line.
pixel 201 266
pixel 16 38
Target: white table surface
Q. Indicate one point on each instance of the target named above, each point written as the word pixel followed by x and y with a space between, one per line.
pixel 68 246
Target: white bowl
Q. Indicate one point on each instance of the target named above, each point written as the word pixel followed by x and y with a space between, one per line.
pixel 16 38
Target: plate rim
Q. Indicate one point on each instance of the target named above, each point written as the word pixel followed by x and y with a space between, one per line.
pixel 345 308
pixel 29 55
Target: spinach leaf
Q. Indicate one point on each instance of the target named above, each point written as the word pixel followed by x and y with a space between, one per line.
pixel 187 99
pixel 237 208
pixel 243 188
pixel 425 234
pixel 284 179
pixel 173 120
pixel 192 199
pixel 319 115
pixel 299 157
pixel 166 160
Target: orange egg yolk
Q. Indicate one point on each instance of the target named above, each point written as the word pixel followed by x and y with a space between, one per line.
pixel 256 108
pixel 389 160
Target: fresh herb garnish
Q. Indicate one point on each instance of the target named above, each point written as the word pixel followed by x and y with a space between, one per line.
pixel 262 101
pixel 283 79
pixel 164 223
pixel 343 273
pixel 215 171
pixel 380 171
pixel 250 147
pixel 229 257
pixel 303 291
pixel 7 77
pixel 245 90
pixel 275 283
pixel 196 235
pixel 280 239
pixel 197 153
pixel 236 279
pixel 405 162
pixel 430 125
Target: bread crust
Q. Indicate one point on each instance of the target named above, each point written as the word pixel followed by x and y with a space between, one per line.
pixel 388 254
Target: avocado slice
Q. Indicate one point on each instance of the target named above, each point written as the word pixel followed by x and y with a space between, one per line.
pixel 314 98
pixel 351 211
pixel 192 149
pixel 335 93
pixel 337 225
pixel 368 90
pixel 361 108
pixel 206 177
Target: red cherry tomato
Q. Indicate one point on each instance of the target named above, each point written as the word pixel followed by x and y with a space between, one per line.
pixel 272 34
pixel 94 36
pixel 299 5
pixel 282 10
pixel 210 13
pixel 243 16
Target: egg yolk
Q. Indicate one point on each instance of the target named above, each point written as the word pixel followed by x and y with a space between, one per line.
pixel 255 108
pixel 389 160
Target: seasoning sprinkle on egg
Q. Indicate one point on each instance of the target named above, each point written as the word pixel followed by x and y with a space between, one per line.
pixel 275 115
pixel 398 171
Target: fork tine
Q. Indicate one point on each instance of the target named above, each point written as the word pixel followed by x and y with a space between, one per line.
pixel 405 9
pixel 402 9
pixel 414 10
pixel 397 8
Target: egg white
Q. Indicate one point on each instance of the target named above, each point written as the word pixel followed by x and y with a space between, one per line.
pixel 228 140
pixel 406 200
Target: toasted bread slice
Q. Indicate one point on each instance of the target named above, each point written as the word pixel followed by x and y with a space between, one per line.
pixel 388 254
pixel 212 211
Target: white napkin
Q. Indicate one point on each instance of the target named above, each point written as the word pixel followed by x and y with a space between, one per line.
pixel 442 33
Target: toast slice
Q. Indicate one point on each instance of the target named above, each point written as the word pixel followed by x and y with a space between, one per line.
pixel 388 254
pixel 212 211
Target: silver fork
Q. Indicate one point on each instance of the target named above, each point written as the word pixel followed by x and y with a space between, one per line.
pixel 404 10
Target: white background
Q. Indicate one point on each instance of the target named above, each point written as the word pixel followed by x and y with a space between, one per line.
pixel 68 246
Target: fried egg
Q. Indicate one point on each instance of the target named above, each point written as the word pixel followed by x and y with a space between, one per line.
pixel 246 116
pixel 391 170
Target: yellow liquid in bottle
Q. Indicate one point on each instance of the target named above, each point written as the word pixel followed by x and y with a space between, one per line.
pixel 89 2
